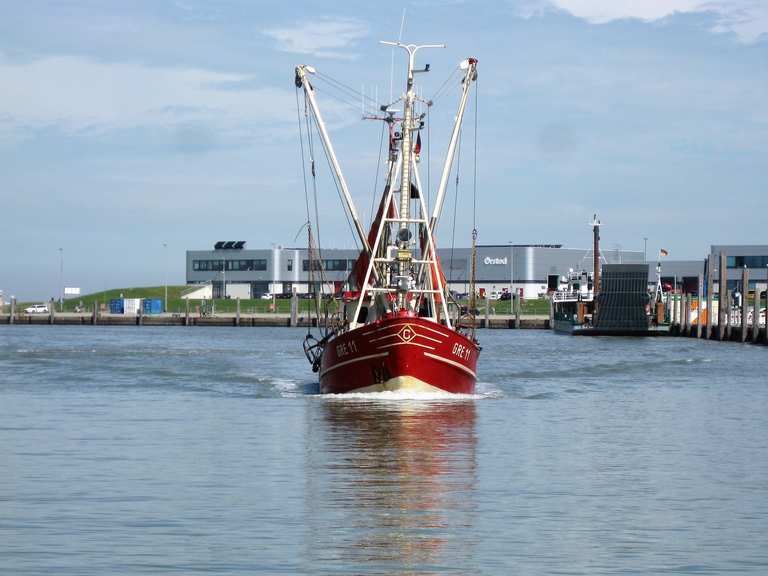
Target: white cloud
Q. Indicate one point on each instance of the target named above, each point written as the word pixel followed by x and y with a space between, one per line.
pixel 78 95
pixel 748 19
pixel 324 38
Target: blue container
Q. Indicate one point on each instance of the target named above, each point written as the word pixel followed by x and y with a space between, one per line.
pixel 116 306
pixel 152 306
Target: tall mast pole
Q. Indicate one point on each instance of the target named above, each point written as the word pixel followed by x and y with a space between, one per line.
pixel 596 258
pixel 303 82
pixel 403 236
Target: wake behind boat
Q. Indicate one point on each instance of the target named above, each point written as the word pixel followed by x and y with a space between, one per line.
pixel 397 328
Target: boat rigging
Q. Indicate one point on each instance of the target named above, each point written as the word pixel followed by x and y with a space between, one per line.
pixel 395 330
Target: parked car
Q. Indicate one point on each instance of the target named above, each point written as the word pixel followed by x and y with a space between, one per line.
pixel 506 296
pixel 266 296
pixel 37 309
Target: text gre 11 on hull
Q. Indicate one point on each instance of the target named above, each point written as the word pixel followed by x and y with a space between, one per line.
pixel 397 328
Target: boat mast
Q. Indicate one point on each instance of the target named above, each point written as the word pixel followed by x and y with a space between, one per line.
pixel 595 260
pixel 405 256
pixel 303 82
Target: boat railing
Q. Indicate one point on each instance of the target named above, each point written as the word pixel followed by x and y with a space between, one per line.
pixel 572 296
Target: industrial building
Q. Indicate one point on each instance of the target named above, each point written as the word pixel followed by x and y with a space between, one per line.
pixel 529 269
pixel 684 274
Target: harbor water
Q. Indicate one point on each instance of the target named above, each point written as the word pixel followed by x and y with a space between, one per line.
pixel 127 450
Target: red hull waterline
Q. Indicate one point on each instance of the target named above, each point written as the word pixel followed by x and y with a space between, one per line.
pixel 399 353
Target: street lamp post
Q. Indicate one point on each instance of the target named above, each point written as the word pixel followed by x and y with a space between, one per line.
pixel 61 279
pixel 512 293
pixel 165 276
pixel 645 249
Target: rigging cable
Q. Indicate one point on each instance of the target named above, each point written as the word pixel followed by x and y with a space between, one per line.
pixel 378 167
pixel 301 143
pixel 338 97
pixel 312 251
pixel 474 175
pixel 439 92
pixel 473 269
pixel 311 146
pixel 455 205
pixel 338 189
pixel 429 160
pixel 306 191
pixel 345 88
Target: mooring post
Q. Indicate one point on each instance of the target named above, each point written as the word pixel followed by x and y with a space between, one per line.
pixel 699 308
pixel 675 315
pixel 710 287
pixel 691 303
pixel 237 311
pixel 670 314
pixel 756 314
pixel 140 319
pixel 723 304
pixel 487 311
pixel 52 311
pixel 744 307
pixel 765 339
pixel 95 314
pixel 12 319
pixel 294 308
pixel 729 321
pixel 518 307
pixel 186 312
pixel 681 311
pixel 551 312
pixel 687 314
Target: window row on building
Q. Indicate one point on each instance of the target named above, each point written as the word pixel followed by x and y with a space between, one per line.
pixel 329 265
pixel 748 261
pixel 218 265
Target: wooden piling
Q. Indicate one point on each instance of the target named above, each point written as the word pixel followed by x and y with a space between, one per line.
pixel 294 309
pixel 12 319
pixel 765 339
pixel 699 308
pixel 710 285
pixel 518 307
pixel 551 312
pixel 487 312
pixel 52 311
pixel 186 312
pixel 686 314
pixel 237 311
pixel 670 309
pixel 756 315
pixel 744 308
pixel 95 313
pixel 140 319
pixel 723 304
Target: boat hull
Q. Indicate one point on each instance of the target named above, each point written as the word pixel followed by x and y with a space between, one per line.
pixel 399 353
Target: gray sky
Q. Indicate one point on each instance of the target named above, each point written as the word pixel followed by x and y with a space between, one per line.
pixel 127 125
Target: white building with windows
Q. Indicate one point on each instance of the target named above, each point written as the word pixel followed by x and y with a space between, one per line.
pixel 531 269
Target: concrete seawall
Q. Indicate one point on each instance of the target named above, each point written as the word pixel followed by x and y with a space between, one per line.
pixel 250 320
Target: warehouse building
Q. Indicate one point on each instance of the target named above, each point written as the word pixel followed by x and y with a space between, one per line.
pixel 529 269
pixel 684 274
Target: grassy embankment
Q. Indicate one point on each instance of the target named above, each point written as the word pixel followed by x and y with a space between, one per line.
pixel 177 305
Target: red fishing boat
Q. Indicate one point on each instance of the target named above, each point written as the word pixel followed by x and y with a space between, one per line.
pixel 399 329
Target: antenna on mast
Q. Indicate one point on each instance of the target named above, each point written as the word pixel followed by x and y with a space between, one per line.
pixel 392 59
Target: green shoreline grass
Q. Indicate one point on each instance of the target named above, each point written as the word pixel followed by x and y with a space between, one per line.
pixel 177 305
